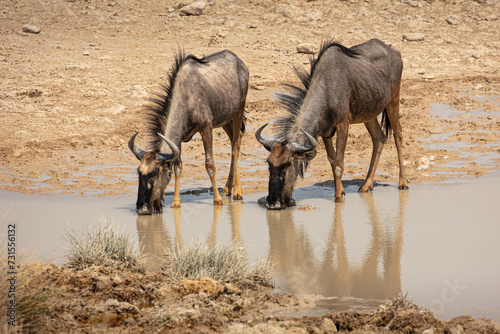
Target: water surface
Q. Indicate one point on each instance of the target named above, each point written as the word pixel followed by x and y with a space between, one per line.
pixel 438 243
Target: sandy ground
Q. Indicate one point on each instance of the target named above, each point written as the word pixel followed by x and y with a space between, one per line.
pixel 73 94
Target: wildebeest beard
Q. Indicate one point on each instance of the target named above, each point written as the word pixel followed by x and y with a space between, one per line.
pixel 282 182
pixel 152 184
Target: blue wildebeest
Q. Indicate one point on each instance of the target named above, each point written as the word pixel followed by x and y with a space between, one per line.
pixel 344 86
pixel 202 94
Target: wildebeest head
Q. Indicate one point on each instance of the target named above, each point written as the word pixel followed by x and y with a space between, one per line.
pixel 155 172
pixel 286 162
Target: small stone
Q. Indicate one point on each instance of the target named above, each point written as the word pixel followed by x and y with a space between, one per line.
pixel 86 53
pixel 101 283
pixel 196 8
pixel 258 87
pixel 491 17
pixel 115 110
pixel 114 305
pixel 31 29
pixel 139 91
pixel 428 76
pixel 423 163
pixel 414 37
pixel 74 67
pixel 328 326
pixel 414 4
pixel 452 19
pixel 290 11
pixel 306 48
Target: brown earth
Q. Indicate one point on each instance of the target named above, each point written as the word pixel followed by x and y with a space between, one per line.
pixel 73 94
pixel 106 300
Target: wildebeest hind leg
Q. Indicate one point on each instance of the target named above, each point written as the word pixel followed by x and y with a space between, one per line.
pixel 206 136
pixel 233 180
pixel 393 114
pixel 228 188
pixel 378 140
pixel 338 171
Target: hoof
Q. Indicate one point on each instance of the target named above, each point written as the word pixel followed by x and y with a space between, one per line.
pixel 237 197
pixel 176 204
pixel 364 189
pixel 338 199
pixel 218 202
pixel 403 186
pixel 226 191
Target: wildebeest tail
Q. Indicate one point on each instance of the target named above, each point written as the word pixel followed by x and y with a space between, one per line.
pixel 386 123
pixel 244 122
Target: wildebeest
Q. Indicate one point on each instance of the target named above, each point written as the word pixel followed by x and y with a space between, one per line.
pixel 201 94
pixel 344 86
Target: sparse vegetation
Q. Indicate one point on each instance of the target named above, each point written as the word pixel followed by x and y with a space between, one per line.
pixel 401 302
pixel 101 245
pixel 226 263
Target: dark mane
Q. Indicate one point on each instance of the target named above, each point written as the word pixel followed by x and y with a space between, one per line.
pixel 292 100
pixel 157 115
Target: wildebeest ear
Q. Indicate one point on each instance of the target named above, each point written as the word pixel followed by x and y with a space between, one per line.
pixel 306 156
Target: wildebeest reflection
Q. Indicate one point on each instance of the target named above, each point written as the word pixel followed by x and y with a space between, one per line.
pixel 297 263
pixel 154 238
pixel 344 86
pixel 202 94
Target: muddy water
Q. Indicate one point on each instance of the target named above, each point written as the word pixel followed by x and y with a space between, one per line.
pixel 438 243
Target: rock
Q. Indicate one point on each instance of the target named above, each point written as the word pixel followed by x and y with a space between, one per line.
pixel 452 19
pixel 31 29
pixel 423 163
pixel 86 53
pixel 290 11
pixel 73 67
pixel 139 91
pixel 101 283
pixel 414 4
pixel 115 279
pixel 414 37
pixel 115 110
pixel 258 87
pixel 114 305
pixel 491 17
pixel 306 48
pixel 196 8
pixel 458 329
pixel 328 326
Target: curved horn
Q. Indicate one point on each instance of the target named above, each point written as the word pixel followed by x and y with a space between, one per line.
pixel 268 144
pixel 137 151
pixel 170 156
pixel 298 148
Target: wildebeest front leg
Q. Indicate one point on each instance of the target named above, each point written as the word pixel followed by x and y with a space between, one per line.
pixel 330 151
pixel 338 170
pixel 378 140
pixel 210 164
pixel 176 202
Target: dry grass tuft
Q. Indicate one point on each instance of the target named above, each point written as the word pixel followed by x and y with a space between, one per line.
pixel 102 245
pixel 226 263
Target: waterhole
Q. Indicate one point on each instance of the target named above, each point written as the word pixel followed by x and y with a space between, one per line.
pixel 436 242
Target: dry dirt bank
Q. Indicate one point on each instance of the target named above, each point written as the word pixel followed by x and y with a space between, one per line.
pixel 100 299
pixel 72 95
